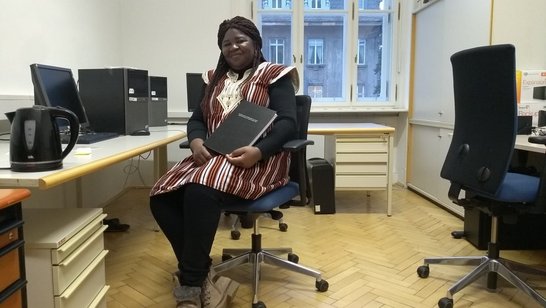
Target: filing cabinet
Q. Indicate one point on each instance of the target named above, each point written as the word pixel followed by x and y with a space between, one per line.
pixel 361 161
pixel 12 266
pixel 65 257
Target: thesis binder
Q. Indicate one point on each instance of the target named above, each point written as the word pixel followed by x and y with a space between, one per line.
pixel 242 127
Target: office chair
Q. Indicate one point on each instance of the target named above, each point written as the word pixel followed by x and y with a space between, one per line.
pixel 303 105
pixel 255 208
pixel 246 220
pixel 478 159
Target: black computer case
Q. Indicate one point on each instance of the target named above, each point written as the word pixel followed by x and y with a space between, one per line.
pixel 322 185
pixel 115 99
pixel 158 101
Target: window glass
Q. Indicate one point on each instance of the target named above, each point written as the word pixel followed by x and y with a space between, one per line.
pixel 276 51
pixel 343 55
pixel 373 72
pixel 276 31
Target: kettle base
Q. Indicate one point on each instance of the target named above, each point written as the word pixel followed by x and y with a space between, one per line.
pixel 35 166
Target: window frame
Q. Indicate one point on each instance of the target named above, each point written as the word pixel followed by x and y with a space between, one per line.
pixel 350 99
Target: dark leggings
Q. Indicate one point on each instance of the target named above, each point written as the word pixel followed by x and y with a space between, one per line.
pixel 189 218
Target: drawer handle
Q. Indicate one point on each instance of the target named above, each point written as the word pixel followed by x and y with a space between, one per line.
pixel 83 247
pixel 85 230
pixel 11 235
pixel 86 272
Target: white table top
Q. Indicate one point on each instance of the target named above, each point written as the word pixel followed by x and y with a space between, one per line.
pixel 347 128
pixel 102 154
pixel 523 144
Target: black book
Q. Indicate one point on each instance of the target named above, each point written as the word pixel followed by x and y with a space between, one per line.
pixel 242 127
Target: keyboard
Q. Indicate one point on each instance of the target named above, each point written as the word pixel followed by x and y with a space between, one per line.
pixel 89 138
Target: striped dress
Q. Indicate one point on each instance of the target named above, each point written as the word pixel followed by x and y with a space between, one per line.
pixel 218 173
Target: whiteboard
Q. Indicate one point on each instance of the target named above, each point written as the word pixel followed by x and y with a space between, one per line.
pixel 441 30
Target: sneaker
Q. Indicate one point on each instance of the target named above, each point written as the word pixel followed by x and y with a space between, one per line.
pixel 187 297
pixel 218 291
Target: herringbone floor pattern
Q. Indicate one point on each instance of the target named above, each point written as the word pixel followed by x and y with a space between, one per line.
pixel 369 259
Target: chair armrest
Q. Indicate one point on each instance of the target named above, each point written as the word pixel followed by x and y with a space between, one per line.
pixel 537 139
pixel 296 145
pixel 184 145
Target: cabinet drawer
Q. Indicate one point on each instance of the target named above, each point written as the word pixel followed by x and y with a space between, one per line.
pixel 57 255
pixel 83 291
pixel 361 181
pixel 9 237
pixel 361 168
pixel 366 145
pixel 77 261
pixel 10 265
pixel 100 299
pixel 362 158
pixel 13 297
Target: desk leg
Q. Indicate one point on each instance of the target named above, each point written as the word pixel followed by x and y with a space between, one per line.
pixel 160 161
pixel 389 176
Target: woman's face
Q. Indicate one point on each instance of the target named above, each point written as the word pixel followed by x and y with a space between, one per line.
pixel 238 50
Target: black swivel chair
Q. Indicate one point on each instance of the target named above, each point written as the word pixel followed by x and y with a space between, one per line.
pixel 254 209
pixel 478 160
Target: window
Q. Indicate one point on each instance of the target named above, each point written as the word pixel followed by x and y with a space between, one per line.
pixel 276 4
pixel 276 51
pixel 361 55
pixel 314 91
pixel 343 49
pixel 315 51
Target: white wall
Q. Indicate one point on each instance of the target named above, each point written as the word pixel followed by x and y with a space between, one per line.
pixel 523 24
pixel 171 38
pixel 69 33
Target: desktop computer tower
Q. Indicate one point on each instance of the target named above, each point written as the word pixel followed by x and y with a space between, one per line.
pixel 115 99
pixel 322 185
pixel 158 101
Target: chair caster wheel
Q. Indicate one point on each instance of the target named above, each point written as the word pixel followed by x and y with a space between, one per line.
pixel 235 235
pixel 445 303
pixel 226 257
pixel 292 257
pixel 458 234
pixel 423 271
pixel 322 285
pixel 259 304
pixel 283 227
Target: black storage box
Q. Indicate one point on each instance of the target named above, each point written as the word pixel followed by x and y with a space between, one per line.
pixel 322 186
pixel 527 233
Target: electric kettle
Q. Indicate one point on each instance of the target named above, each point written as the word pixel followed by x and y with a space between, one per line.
pixel 35 144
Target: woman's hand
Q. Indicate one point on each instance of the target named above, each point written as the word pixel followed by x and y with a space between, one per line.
pixel 200 153
pixel 245 157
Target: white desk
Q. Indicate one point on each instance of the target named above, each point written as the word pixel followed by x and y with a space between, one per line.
pixel 103 154
pixel 361 154
pixel 523 144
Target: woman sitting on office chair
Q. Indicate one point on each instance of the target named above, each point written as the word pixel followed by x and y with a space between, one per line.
pixel 186 201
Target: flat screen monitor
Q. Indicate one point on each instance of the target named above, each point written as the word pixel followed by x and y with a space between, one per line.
pixel 195 87
pixel 55 87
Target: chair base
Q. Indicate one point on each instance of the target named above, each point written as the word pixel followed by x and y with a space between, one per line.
pixel 256 256
pixel 485 266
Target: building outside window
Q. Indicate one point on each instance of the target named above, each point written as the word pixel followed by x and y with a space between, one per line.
pixel 361 55
pixel 342 48
pixel 276 51
pixel 315 51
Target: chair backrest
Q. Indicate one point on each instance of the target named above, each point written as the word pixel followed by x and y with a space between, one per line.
pixel 303 105
pixel 298 168
pixel 485 118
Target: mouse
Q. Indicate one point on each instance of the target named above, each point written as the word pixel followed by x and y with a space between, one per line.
pixel 141 132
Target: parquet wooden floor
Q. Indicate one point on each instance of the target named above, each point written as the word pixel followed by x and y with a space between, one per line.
pixel 369 259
